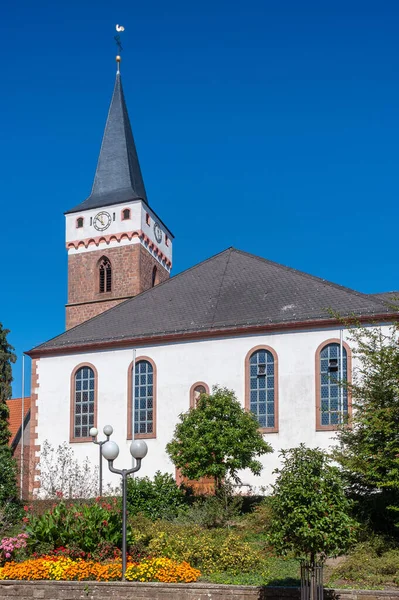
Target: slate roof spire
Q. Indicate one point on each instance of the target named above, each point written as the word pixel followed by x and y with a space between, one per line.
pixel 118 175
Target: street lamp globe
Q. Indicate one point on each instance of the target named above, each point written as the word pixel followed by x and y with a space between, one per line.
pixel 108 430
pixel 110 450
pixel 138 449
pixel 94 432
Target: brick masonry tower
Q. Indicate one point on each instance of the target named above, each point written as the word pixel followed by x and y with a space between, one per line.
pixel 117 246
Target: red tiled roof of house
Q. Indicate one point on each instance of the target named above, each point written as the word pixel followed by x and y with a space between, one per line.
pixel 15 408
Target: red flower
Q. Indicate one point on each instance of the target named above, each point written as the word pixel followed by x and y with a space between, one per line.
pixel 26 508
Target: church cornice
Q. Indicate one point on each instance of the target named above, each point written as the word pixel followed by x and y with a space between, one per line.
pixel 119 237
pixel 184 336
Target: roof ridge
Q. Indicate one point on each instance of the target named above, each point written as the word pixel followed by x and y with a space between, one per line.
pixel 309 276
pixel 137 295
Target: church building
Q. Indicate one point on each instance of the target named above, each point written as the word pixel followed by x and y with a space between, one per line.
pixel 140 345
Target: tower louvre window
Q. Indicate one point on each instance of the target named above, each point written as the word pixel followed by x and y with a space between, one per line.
pixel 79 222
pixel 105 272
pixel 126 214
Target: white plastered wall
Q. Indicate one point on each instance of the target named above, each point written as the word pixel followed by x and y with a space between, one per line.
pixel 179 365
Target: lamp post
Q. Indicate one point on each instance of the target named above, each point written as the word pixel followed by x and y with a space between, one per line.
pixel 110 451
pixel 108 431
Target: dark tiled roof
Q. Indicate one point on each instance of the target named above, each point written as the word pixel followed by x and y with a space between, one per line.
pixel 231 289
pixel 118 176
pixel 391 298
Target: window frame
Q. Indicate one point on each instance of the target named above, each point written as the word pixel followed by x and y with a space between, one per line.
pixel 319 426
pixel 192 390
pixel 141 436
pixel 123 218
pixel 77 222
pixel 276 386
pixel 105 291
pixel 72 438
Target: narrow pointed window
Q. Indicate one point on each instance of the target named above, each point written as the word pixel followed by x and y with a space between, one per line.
pixel 154 277
pixel 105 274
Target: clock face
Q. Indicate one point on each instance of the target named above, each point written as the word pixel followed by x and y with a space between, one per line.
pixel 102 221
pixel 158 233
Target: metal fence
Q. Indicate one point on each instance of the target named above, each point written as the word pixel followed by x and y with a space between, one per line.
pixel 311 581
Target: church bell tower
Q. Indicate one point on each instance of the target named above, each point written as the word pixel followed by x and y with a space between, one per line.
pixel 117 246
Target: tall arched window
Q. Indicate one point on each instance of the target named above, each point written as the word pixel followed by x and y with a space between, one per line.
pixel 105 275
pixel 83 402
pixel 333 369
pixel 195 392
pixel 142 388
pixel 154 277
pixel 261 391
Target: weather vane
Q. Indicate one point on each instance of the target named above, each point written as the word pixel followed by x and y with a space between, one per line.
pixel 117 38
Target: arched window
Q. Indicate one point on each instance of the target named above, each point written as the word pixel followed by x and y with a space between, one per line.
pixel 125 214
pixel 195 392
pixel 83 402
pixel 105 275
pixel 142 388
pixel 261 391
pixel 154 277
pixel 79 222
pixel 332 371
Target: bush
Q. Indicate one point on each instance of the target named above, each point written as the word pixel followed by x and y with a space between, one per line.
pixel 83 526
pixel 158 499
pixel 369 565
pixel 212 511
pixel 208 550
pixel 9 501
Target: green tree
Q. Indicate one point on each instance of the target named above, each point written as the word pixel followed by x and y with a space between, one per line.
pixel 217 439
pixel 8 467
pixel 368 445
pixel 310 514
pixel 7 357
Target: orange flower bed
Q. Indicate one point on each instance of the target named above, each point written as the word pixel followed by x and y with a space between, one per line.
pixel 65 569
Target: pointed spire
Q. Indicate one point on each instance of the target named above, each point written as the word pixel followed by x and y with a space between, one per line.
pixel 118 175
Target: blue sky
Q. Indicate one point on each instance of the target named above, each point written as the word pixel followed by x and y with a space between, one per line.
pixel 269 126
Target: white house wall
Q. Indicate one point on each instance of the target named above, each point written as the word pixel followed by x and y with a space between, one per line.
pixel 179 365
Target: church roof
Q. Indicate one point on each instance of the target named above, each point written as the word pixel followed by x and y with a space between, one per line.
pixel 231 292
pixel 118 176
pixel 391 298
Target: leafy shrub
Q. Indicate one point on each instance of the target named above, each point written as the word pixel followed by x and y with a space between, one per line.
pixel 11 506
pixel 213 511
pixel 259 520
pixel 12 547
pixel 367 565
pixel 81 526
pixel 158 499
pixel 208 550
